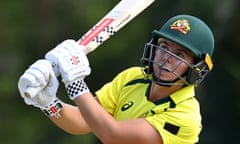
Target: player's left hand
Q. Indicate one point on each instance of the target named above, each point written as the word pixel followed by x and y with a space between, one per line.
pixel 70 60
pixel 38 85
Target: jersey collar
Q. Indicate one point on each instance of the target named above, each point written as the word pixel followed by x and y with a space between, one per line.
pixel 183 94
pixel 177 97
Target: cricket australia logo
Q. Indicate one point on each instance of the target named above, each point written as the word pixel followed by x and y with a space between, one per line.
pixel 127 106
pixel 182 26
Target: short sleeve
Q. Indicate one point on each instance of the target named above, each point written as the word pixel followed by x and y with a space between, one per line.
pixel 109 94
pixel 177 126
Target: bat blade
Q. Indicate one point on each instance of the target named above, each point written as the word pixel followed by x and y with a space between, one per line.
pixel 112 22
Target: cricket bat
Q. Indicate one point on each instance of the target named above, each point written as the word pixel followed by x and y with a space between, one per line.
pixel 112 22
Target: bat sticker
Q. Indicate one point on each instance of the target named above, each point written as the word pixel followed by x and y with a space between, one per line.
pixel 101 27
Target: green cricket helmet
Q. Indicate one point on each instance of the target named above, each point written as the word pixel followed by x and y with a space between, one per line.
pixel 191 33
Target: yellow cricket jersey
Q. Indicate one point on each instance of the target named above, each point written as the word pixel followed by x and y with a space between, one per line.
pixel 177 117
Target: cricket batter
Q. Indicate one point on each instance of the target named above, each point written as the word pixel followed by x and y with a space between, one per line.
pixel 151 104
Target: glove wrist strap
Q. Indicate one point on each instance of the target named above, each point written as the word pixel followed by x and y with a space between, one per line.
pixel 76 88
pixel 53 109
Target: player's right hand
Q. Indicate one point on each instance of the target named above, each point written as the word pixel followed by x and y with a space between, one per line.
pixel 69 60
pixel 38 85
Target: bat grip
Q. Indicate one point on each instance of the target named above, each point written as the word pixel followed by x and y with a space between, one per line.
pixel 31 92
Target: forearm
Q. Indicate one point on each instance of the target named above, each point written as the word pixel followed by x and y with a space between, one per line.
pixel 71 120
pixel 100 121
pixel 111 131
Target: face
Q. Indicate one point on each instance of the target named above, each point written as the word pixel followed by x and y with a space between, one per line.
pixel 171 60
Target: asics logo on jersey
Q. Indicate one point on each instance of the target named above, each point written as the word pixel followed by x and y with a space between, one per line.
pixel 127 105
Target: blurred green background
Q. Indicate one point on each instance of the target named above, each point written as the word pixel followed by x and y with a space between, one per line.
pixel 30 28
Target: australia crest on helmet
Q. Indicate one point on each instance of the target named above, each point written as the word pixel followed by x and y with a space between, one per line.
pixel 182 26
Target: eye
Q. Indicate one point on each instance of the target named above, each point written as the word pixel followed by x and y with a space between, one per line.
pixel 181 55
pixel 163 46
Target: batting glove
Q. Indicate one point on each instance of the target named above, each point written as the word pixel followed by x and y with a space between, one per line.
pixel 38 87
pixel 71 62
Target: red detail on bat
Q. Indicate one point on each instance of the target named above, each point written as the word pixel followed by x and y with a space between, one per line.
pixel 97 29
pixel 74 60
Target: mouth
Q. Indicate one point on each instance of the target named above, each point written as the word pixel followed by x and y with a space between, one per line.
pixel 165 73
pixel 165 69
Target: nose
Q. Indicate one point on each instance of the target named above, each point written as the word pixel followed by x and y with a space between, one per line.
pixel 164 57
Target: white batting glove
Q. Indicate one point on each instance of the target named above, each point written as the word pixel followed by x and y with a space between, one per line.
pixel 38 87
pixel 70 59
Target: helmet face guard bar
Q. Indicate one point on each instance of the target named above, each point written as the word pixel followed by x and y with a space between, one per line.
pixel 194 75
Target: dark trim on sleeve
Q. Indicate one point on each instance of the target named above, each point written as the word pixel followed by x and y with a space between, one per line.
pixel 171 128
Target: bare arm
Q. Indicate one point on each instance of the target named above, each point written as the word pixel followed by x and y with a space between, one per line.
pixel 110 131
pixel 71 120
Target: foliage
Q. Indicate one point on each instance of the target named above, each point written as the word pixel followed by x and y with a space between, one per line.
pixel 28 29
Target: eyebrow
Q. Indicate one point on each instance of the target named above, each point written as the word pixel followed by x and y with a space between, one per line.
pixel 188 52
pixel 183 49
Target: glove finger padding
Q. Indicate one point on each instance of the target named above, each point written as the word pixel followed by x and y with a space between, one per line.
pixel 48 94
pixel 40 78
pixel 36 76
pixel 71 60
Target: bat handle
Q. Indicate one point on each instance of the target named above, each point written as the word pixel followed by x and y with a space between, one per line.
pixel 31 92
pixel 84 48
